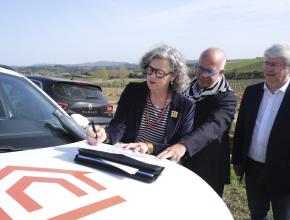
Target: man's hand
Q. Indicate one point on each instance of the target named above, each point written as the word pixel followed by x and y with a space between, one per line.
pixel 174 152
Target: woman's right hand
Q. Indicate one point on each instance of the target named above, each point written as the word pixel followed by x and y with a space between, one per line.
pixel 97 137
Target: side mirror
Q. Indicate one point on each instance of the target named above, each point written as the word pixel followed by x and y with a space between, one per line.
pixel 80 120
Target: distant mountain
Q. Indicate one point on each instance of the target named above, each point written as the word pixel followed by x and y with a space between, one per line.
pixel 191 62
pixel 73 68
pixel 89 64
pixel 104 64
pixel 95 64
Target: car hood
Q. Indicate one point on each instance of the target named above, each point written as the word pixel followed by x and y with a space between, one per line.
pixel 48 184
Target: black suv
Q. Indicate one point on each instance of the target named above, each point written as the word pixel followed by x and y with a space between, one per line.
pixel 73 96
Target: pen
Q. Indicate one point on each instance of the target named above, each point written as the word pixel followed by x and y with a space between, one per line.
pixel 93 125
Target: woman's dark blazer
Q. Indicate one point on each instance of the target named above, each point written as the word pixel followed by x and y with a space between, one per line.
pixel 125 125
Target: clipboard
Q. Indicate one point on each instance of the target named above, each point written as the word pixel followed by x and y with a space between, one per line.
pixel 106 161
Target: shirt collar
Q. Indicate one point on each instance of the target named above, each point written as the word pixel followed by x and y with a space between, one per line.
pixel 281 89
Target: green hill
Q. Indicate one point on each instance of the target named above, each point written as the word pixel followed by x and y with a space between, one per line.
pixel 242 66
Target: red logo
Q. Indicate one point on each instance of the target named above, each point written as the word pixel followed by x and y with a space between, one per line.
pixel 17 191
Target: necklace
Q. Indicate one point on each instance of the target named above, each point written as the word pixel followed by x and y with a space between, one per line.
pixel 149 125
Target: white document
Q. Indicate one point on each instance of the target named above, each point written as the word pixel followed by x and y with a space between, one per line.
pixel 127 169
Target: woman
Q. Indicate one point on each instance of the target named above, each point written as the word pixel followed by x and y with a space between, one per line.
pixel 151 115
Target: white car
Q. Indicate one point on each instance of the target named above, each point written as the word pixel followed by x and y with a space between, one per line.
pixel 39 178
pixel 31 119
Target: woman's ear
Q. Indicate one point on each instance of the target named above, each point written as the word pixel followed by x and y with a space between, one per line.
pixel 173 76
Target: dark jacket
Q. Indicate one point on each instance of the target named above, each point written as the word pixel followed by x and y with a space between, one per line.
pixel 277 164
pixel 208 151
pixel 125 125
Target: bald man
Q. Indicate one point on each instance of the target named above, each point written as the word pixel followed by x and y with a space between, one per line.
pixel 206 149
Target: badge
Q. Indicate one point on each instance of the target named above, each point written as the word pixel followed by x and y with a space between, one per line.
pixel 174 114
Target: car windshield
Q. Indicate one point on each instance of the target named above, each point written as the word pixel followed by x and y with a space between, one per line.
pixel 27 118
pixel 83 92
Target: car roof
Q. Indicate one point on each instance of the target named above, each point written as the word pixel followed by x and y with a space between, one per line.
pixel 61 80
pixel 8 70
pixel 6 67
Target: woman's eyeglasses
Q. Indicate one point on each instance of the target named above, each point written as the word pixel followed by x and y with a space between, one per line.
pixel 149 70
pixel 207 72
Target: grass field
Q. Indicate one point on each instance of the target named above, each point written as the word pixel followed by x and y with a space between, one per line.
pixel 239 86
pixel 235 198
pixel 248 65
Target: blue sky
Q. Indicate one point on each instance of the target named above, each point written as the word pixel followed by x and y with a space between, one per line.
pixel 78 31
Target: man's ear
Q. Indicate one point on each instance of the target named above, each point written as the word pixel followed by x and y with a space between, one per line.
pixel 222 72
pixel 288 69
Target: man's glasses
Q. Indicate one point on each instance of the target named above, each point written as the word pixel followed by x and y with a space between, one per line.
pixel 149 70
pixel 275 65
pixel 207 72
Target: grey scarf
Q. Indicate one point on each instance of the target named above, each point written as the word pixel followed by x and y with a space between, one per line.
pixel 195 94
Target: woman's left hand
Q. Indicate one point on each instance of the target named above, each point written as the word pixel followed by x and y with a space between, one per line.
pixel 136 147
pixel 174 152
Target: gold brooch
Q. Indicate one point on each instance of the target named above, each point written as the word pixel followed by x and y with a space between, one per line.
pixel 174 114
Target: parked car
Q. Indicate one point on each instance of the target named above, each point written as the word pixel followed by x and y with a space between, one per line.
pixel 73 96
pixel 29 118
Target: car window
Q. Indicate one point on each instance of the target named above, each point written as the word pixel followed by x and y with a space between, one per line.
pixel 78 92
pixel 36 82
pixel 24 101
pixel 27 118
pixel 2 110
